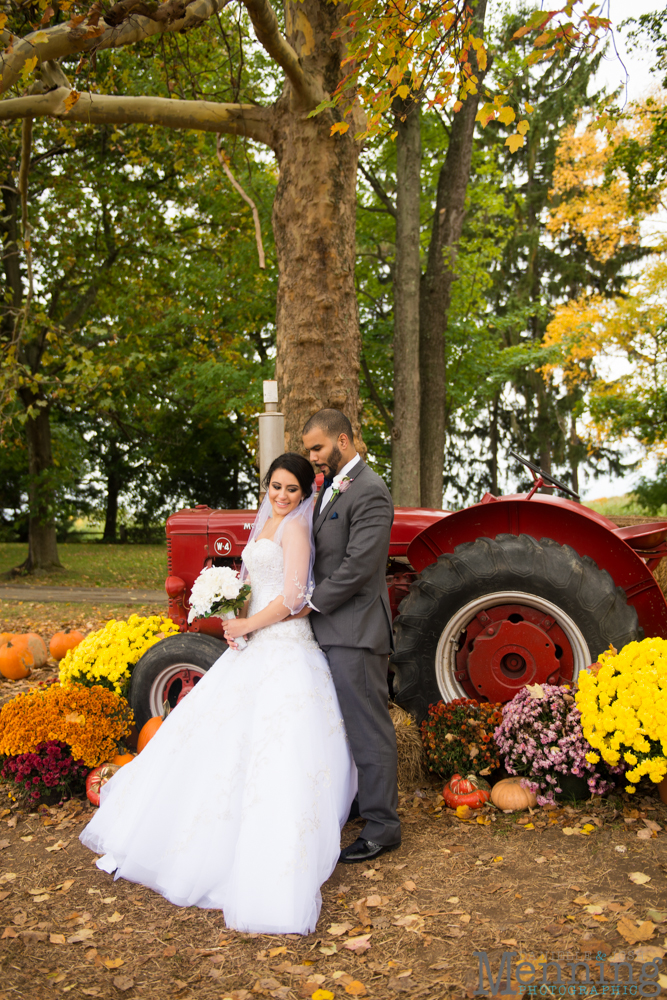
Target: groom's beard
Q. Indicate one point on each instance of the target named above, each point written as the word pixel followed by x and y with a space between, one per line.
pixel 335 461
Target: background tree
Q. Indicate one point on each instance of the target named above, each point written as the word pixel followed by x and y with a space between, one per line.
pixel 119 302
pixel 313 213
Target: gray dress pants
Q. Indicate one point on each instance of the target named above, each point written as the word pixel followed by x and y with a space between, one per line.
pixel 360 678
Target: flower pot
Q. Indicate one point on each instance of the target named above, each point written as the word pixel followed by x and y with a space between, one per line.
pixel 573 787
pixel 662 790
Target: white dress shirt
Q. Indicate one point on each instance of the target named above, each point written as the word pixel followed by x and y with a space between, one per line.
pixel 343 472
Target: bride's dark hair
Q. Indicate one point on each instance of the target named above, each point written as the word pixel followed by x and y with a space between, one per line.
pixel 300 468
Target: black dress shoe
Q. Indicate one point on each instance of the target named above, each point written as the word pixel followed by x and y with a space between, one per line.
pixel 364 850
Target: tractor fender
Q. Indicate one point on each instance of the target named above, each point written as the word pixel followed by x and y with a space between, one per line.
pixel 566 522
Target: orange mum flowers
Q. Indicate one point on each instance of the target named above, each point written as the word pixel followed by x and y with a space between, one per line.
pixel 90 720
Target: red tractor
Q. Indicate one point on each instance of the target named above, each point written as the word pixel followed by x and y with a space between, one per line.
pixel 514 590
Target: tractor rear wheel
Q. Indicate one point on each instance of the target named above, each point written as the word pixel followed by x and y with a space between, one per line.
pixel 169 670
pixel 499 613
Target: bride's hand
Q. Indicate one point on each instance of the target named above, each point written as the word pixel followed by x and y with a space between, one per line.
pixel 235 628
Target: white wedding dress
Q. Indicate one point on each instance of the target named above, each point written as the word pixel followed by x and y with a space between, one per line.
pixel 238 801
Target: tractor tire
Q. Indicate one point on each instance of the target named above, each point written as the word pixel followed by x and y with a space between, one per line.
pixel 499 613
pixel 168 670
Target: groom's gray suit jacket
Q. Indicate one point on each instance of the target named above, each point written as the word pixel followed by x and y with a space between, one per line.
pixel 351 550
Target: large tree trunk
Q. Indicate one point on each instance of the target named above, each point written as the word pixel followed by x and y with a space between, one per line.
pixel 314 218
pixel 436 288
pixel 405 458
pixel 42 547
pixel 111 512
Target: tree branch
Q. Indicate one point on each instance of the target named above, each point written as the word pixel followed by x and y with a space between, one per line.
pixel 224 163
pixel 64 39
pixel 101 109
pixel 268 33
pixel 379 190
pixel 375 396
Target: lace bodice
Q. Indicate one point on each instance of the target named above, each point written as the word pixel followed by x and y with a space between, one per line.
pixel 264 560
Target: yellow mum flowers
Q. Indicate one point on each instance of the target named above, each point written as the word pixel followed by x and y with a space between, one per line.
pixel 107 656
pixel 623 705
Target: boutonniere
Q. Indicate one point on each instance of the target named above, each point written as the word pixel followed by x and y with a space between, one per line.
pixel 340 484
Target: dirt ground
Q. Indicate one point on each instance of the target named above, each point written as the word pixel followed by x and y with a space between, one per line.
pixel 407 926
pixel 581 882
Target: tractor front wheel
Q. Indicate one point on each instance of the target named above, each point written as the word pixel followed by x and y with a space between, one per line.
pixel 169 670
pixel 499 613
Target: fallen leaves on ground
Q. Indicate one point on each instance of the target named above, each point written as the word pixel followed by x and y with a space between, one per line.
pixel 633 932
pixel 358 944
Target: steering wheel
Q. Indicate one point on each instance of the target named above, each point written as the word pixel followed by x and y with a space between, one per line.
pixel 545 475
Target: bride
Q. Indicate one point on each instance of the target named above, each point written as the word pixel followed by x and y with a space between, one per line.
pixel 238 801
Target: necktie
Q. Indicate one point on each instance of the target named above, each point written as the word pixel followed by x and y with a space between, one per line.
pixel 328 481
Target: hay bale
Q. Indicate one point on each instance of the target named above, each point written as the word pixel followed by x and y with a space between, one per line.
pixel 660 573
pixel 411 759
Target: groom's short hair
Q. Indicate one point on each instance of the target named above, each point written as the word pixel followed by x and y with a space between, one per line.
pixel 332 422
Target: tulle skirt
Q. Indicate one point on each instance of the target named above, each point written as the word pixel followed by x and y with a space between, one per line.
pixel 238 800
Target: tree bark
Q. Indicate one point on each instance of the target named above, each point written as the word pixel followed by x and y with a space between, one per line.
pixel 405 454
pixel 9 230
pixel 314 219
pixel 493 444
pixel 111 513
pixel 100 109
pixel 42 545
pixel 51 44
pixel 436 288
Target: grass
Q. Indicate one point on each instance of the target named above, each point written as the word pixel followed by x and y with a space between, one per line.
pixel 130 566
pixel 623 506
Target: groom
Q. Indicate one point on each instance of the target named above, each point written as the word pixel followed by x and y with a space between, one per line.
pixel 351 618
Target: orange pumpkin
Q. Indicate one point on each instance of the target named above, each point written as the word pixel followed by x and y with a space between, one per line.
pixel 150 728
pixel 148 731
pixel 37 647
pixel 6 636
pixel 16 659
pixel 122 758
pixel 64 641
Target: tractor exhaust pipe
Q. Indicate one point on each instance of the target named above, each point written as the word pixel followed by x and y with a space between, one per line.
pixel 271 432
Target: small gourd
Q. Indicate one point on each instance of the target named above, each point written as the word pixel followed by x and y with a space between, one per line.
pixel 96 779
pixel 509 794
pixel 63 641
pixel 471 791
pixel 16 659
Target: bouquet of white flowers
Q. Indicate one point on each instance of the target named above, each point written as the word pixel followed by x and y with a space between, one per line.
pixel 217 591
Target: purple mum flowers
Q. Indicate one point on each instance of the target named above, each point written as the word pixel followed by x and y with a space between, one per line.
pixel 541 738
